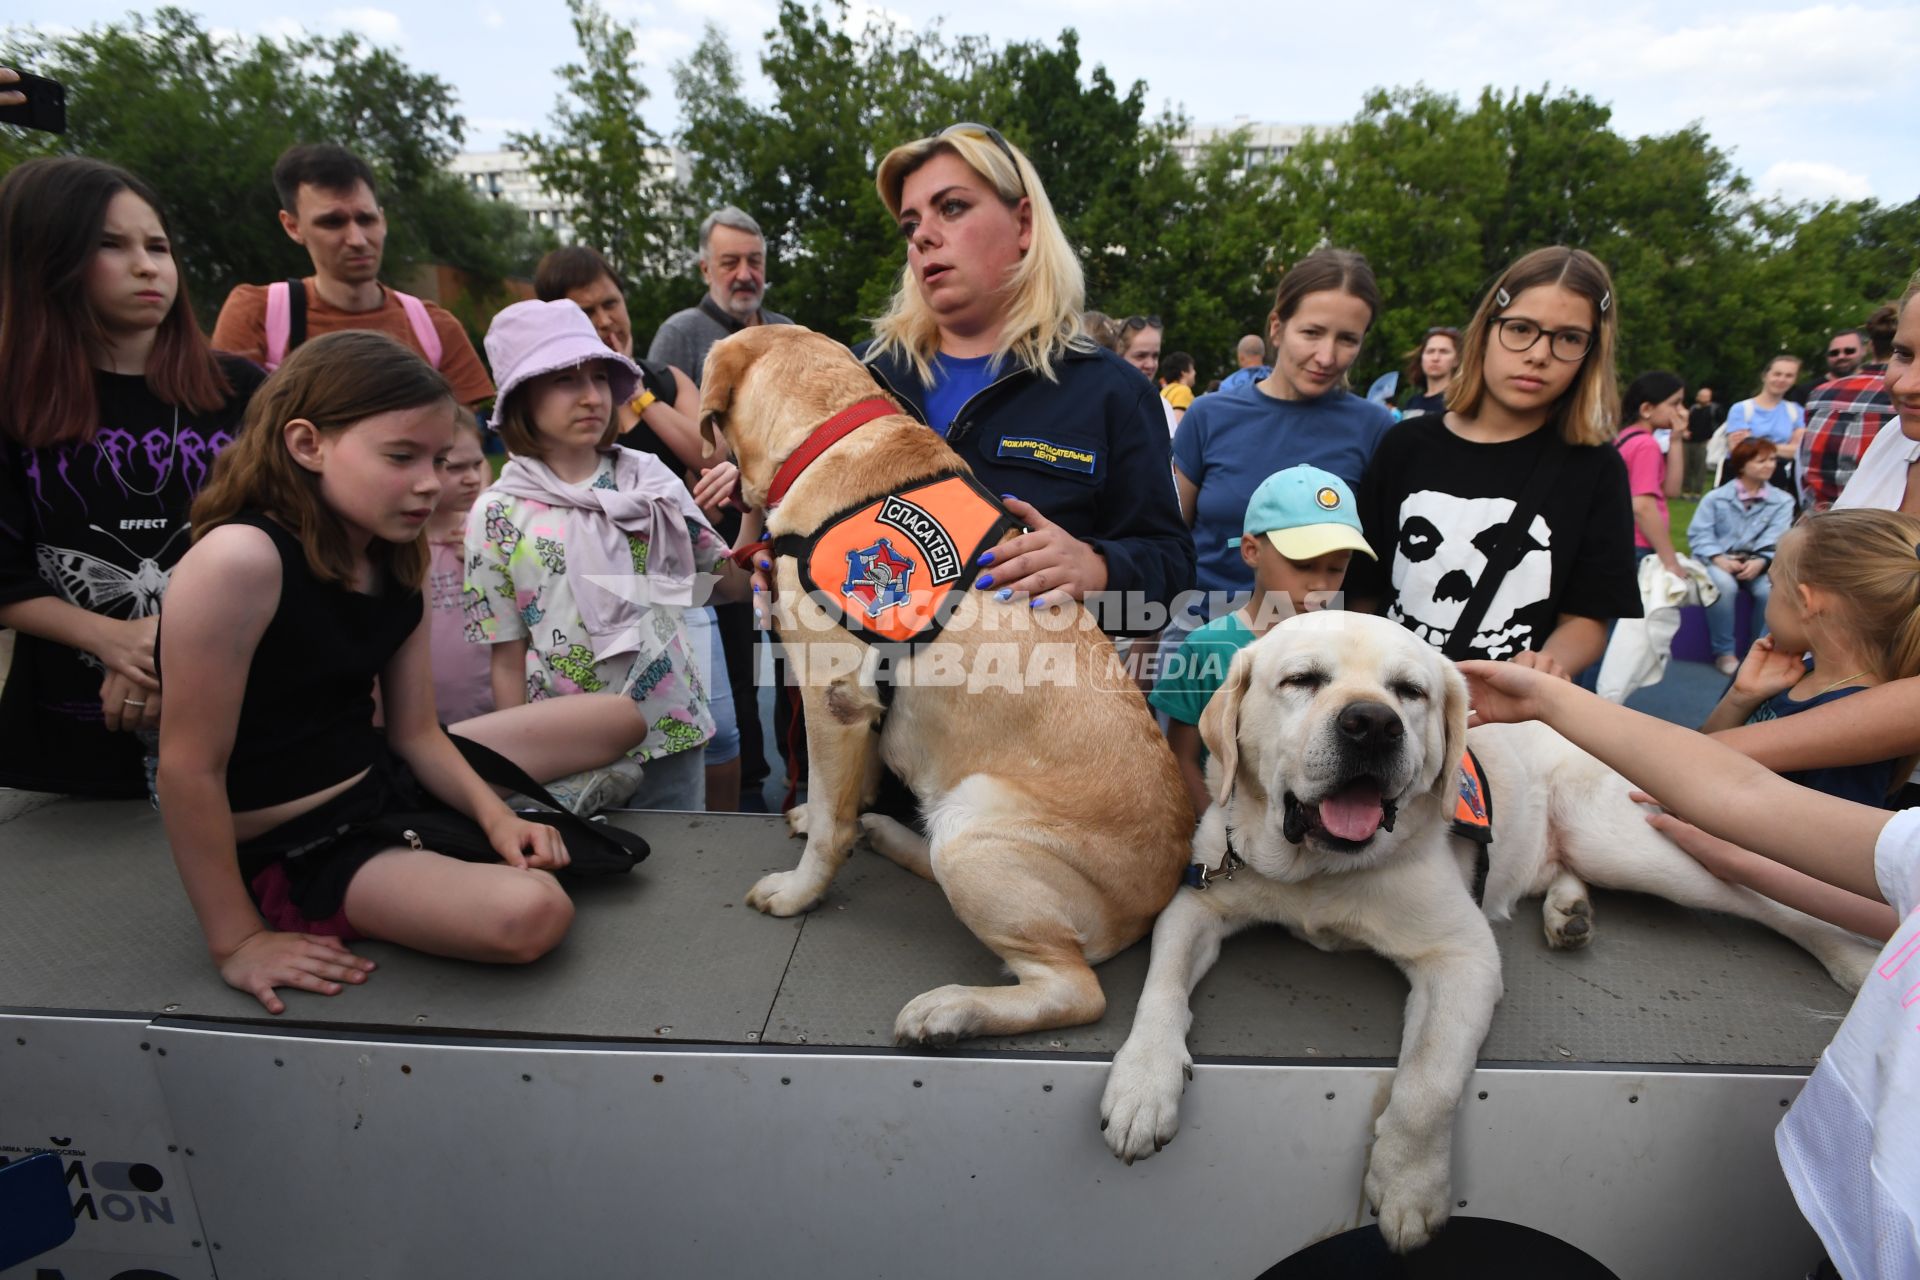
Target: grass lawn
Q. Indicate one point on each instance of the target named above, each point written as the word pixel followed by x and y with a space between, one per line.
pixel 1679 515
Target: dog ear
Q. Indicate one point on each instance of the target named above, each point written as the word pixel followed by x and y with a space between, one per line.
pixel 727 363
pixel 1220 722
pixel 1453 706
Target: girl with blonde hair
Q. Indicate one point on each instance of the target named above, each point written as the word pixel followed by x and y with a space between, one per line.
pixel 983 342
pixel 1843 616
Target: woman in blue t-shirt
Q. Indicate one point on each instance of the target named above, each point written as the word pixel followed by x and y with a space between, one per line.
pixel 1300 413
pixel 1770 416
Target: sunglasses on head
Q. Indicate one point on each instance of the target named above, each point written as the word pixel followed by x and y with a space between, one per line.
pixel 1142 322
pixel 968 129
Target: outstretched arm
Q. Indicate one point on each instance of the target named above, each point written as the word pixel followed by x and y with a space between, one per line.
pixel 1720 790
pixel 1796 889
pixel 1876 724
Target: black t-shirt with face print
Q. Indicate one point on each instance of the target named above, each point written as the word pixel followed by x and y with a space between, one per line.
pixel 99 525
pixel 1435 507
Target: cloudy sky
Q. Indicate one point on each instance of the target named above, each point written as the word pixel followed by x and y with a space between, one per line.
pixel 1810 98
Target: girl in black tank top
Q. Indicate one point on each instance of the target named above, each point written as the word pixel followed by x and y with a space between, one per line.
pixel 303 588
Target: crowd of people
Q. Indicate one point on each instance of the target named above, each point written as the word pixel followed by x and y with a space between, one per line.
pixel 352 600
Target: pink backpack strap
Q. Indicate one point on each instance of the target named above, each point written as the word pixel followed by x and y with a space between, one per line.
pixel 279 323
pixel 423 331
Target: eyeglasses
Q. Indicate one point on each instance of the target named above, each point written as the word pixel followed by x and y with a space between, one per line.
pixel 1521 335
pixel 1843 351
pixel 967 128
pixel 1143 322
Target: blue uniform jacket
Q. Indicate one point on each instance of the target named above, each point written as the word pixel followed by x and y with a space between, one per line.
pixel 1091 453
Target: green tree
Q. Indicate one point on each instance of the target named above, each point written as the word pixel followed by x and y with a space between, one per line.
pixel 803 166
pixel 601 155
pixel 1208 253
pixel 1440 198
pixel 202 118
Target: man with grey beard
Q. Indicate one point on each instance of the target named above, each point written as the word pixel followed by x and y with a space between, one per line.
pixel 733 262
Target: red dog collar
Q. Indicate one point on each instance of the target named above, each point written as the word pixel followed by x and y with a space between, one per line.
pixel 824 437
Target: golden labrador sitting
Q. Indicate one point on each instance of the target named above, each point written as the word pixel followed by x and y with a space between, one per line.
pixel 1056 820
pixel 1334 742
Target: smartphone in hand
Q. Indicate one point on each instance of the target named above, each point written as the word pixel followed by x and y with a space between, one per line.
pixel 45 108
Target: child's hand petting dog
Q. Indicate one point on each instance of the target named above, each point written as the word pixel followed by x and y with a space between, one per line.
pixel 1507 692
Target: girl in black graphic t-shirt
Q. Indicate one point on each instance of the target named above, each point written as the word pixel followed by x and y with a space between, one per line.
pixel 112 408
pixel 1535 378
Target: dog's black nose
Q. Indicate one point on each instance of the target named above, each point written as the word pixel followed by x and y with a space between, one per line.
pixel 1371 724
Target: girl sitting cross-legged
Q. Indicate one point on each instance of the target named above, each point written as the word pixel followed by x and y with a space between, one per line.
pixel 302 589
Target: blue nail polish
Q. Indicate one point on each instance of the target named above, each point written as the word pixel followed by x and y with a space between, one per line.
pixel 1036 602
pixel 984 581
pixel 1004 593
pixel 766 564
pixel 986 557
pixel 1007 497
pixel 758 587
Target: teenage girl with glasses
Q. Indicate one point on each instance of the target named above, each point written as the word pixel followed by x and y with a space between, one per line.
pixel 1533 408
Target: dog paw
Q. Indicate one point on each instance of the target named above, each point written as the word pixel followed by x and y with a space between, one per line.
pixel 1848 962
pixel 797 820
pixel 784 893
pixel 1140 1110
pixel 1408 1188
pixel 938 1017
pixel 1569 923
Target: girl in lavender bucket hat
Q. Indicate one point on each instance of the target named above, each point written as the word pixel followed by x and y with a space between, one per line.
pixel 583 556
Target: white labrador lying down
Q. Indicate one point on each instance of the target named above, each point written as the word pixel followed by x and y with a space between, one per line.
pixel 1334 745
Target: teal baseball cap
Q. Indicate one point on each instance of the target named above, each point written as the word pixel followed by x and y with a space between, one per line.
pixel 1305 513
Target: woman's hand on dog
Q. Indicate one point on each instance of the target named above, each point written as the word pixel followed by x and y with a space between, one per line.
pixel 307 961
pixel 1046 565
pixel 761 577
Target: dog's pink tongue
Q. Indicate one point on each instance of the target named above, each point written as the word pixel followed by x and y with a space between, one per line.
pixel 1353 813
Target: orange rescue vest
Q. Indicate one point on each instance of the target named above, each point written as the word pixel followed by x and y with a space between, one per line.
pixel 885 569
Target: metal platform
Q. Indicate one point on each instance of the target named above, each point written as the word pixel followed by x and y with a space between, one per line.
pixel 95 919
pixel 687 1087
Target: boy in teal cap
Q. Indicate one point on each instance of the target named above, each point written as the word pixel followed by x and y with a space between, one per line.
pixel 1301 531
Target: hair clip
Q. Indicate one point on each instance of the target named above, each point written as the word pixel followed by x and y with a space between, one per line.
pixel 1606 300
pixel 1503 298
pixel 1916 550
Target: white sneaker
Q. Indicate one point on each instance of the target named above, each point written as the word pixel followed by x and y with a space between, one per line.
pixel 1726 664
pixel 591 790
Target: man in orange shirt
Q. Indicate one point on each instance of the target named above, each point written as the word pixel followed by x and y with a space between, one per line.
pixel 328 206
